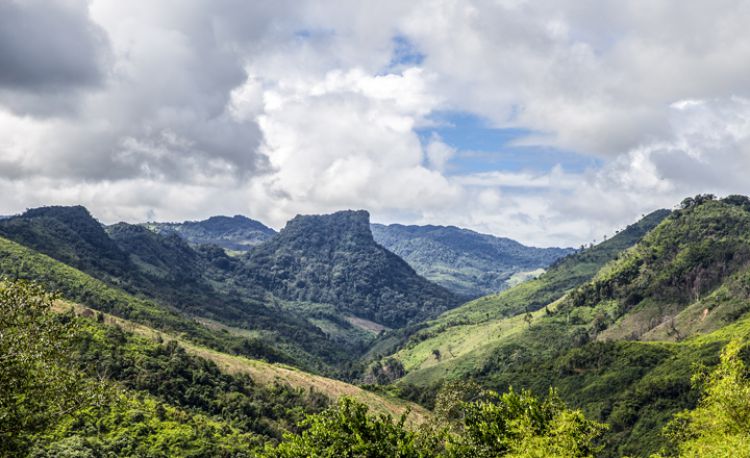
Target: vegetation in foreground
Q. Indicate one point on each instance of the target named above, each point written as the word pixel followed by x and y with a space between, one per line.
pixel 70 386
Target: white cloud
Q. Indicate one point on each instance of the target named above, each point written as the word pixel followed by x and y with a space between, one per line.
pixel 438 153
pixel 185 109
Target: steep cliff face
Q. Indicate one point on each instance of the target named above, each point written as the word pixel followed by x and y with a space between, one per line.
pixel 334 259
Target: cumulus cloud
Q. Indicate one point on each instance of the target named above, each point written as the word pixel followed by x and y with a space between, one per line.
pixel 47 51
pixel 183 109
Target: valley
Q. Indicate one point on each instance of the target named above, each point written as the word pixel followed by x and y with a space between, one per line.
pixel 248 335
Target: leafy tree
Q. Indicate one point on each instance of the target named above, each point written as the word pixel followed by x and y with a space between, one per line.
pixel 347 431
pixel 517 424
pixel 508 425
pixel 37 388
pixel 720 425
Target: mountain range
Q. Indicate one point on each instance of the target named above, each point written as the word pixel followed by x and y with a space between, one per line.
pixel 466 262
pixel 618 328
pixel 236 233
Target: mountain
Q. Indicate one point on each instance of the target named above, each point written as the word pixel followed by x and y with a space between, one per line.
pixel 123 266
pixel 625 331
pixel 69 234
pixel 622 343
pixel 236 233
pixel 466 262
pixel 470 332
pixel 289 292
pixel 334 259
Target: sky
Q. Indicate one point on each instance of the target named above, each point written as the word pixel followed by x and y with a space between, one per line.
pixel 553 122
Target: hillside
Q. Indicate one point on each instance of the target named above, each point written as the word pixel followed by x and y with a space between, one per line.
pixel 466 262
pixel 340 265
pixel 622 345
pixel 236 233
pixel 475 327
pixel 263 373
pixel 159 288
pixel 333 259
pixel 95 384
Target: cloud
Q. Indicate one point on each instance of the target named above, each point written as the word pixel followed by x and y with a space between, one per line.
pixel 47 50
pixel 596 77
pixel 183 109
pixel 347 140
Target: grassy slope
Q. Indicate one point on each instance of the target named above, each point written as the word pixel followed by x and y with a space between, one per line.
pixel 684 290
pixel 267 373
pixel 467 335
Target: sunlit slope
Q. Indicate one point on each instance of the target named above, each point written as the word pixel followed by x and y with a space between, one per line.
pixel 459 340
pixel 266 373
pixel 623 345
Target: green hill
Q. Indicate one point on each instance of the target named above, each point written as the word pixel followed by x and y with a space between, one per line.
pixel 333 259
pixel 477 326
pixel 91 384
pixel 623 344
pixel 466 262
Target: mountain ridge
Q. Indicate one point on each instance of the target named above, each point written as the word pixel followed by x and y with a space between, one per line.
pixel 467 262
pixel 236 233
pixel 360 276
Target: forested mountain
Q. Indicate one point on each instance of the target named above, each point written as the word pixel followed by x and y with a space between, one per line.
pixel 236 233
pixel 136 265
pixel 291 290
pixel 618 330
pixel 621 343
pixel 466 262
pixel 334 259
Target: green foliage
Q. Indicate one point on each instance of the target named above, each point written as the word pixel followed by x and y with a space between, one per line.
pixel 347 431
pixel 720 425
pixel 465 262
pixel 37 386
pixel 168 373
pixel 512 425
pixel 163 401
pixel 333 259
pixel 520 425
pixel 139 426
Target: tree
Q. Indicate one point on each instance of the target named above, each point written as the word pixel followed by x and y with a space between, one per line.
pixel 508 425
pixel 720 425
pixel 517 424
pixel 37 387
pixel 346 430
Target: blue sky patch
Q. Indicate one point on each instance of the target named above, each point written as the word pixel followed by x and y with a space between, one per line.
pixel 405 53
pixel 482 148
